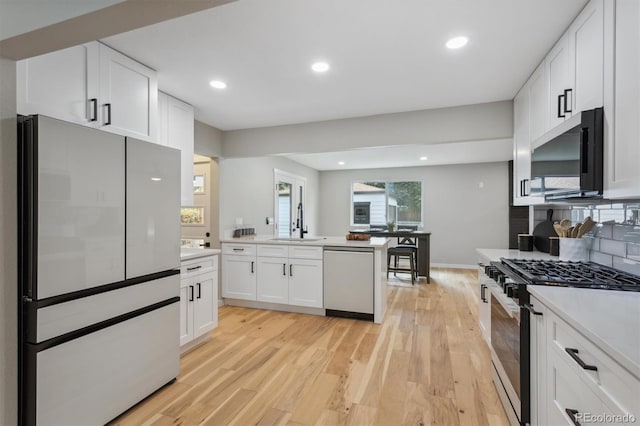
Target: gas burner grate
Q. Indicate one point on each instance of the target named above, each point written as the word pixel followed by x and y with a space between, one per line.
pixel 573 274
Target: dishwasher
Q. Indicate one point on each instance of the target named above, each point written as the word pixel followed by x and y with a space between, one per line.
pixel 348 282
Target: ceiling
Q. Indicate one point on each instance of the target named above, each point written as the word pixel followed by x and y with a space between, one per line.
pixel 385 56
pixel 410 155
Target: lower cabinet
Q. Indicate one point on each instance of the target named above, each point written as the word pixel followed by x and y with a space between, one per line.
pixel 273 273
pixel 198 298
pixel 573 381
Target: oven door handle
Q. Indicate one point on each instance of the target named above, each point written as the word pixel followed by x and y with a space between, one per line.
pixel 529 307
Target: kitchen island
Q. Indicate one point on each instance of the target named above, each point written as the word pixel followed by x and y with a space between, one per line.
pixel 287 273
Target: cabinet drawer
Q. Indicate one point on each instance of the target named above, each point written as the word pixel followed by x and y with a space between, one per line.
pixel 305 252
pixel 569 399
pixel 611 382
pixel 273 250
pixel 239 249
pixel 196 266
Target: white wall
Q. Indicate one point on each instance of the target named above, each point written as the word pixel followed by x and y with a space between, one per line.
pixel 247 191
pixel 464 123
pixel 460 215
pixel 207 140
pixel 8 246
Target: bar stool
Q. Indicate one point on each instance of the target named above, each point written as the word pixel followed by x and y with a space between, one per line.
pixel 403 251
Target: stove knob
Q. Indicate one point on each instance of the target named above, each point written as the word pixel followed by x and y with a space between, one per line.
pixel 516 292
pixel 487 269
pixel 510 290
pixel 501 278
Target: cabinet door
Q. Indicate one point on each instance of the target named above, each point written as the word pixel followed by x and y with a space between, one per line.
pixel 179 134
pixel 153 208
pixel 538 364
pixel 586 50
pixel 538 103
pixel 60 84
pixel 186 312
pixel 521 145
pixel 305 283
pixel 273 279
pixel 205 316
pixel 623 152
pixel 128 96
pixel 239 277
pixel 557 66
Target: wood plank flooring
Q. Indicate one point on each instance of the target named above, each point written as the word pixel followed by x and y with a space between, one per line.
pixel 425 365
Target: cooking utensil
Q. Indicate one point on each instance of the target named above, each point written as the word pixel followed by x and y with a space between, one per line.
pixel 542 232
pixel 558 229
pixel 576 229
pixel 586 226
pixel 565 224
pixel 569 233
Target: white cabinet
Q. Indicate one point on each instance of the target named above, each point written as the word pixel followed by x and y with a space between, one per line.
pixel 586 51
pixel 198 298
pixel 62 84
pixel 93 85
pixel 305 283
pixel 290 275
pixel 622 150
pixel 557 68
pixel 273 279
pixel 538 101
pixel 484 303
pixel 128 96
pixel 575 66
pixel 521 145
pixel 176 124
pixel 239 271
pixel 571 377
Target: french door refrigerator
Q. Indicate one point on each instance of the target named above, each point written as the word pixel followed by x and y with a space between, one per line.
pixel 98 271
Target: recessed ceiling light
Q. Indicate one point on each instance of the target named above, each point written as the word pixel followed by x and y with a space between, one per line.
pixel 217 84
pixel 320 67
pixel 457 42
pixel 341 163
pixel 423 158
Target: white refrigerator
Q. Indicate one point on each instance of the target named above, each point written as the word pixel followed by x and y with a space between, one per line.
pixel 99 266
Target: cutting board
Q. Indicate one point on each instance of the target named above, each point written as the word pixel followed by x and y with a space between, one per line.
pixel 543 231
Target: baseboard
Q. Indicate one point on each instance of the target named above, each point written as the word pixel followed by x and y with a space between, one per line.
pixel 274 306
pixel 220 303
pixel 453 266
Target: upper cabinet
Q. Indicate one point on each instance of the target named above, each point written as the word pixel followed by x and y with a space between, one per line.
pixel 128 96
pixel 92 85
pixel 176 123
pixel 575 66
pixel 622 72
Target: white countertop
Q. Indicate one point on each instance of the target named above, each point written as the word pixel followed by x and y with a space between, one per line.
pixel 188 253
pixel 376 243
pixel 494 255
pixel 610 319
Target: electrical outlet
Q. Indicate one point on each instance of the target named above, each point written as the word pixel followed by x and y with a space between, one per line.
pixel 269 221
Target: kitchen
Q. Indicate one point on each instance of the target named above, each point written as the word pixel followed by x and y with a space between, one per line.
pixel 482 131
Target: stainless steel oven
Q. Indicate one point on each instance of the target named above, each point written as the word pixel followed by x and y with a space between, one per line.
pixel 505 352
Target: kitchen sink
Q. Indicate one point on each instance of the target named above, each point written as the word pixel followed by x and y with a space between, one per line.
pixel 297 239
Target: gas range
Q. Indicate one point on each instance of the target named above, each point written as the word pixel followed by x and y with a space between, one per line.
pixel 565 274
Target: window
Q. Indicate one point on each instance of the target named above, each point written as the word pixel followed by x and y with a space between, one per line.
pixel 192 216
pixel 378 203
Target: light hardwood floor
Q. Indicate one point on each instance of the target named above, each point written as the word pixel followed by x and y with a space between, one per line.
pixel 425 365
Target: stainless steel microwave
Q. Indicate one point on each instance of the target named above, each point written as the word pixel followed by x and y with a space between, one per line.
pixel 570 165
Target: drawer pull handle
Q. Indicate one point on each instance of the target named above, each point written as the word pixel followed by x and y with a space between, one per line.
pixel 482 293
pixel 572 415
pixel 194 268
pixel 529 307
pixel 573 353
pixel 238 249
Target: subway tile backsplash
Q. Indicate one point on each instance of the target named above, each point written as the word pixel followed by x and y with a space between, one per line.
pixel 615 241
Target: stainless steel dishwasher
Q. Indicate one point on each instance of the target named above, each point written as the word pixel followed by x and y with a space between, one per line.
pixel 348 282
